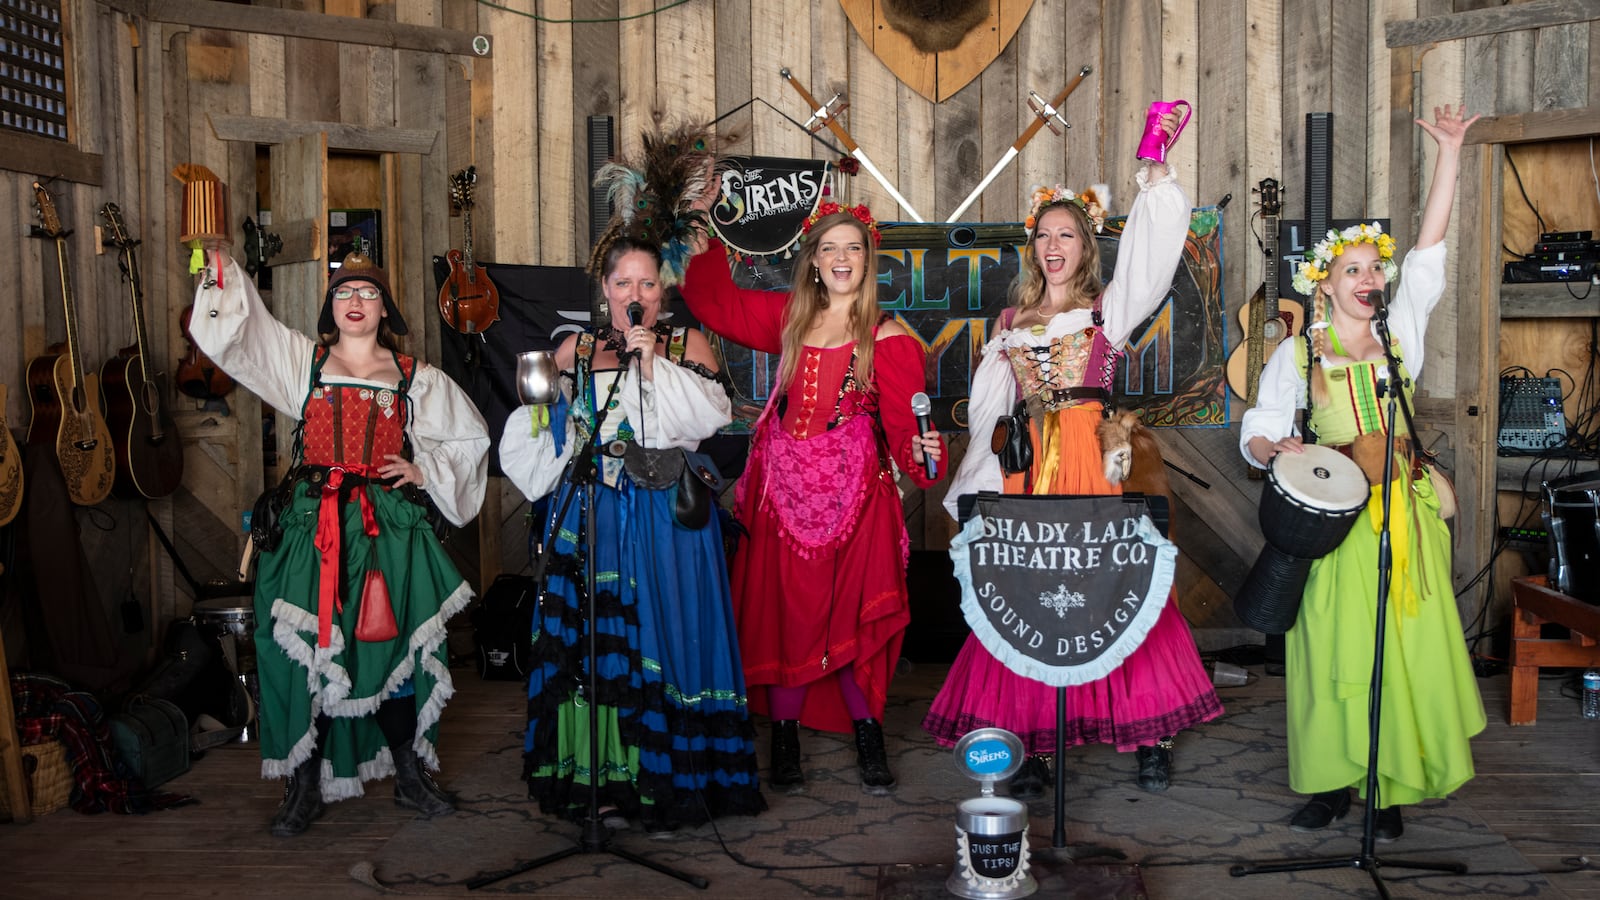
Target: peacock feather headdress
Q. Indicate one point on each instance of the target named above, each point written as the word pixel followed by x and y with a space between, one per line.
pixel 653 198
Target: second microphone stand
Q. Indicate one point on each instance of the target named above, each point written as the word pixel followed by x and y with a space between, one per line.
pixel 1367 859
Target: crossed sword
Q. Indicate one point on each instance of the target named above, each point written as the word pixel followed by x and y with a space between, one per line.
pixel 1046 115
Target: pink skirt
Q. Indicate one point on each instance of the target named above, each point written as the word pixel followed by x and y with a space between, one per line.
pixel 1161 689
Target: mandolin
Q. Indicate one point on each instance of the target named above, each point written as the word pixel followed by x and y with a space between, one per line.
pixel 149 453
pixel 1266 322
pixel 66 400
pixel 469 301
pixel 10 468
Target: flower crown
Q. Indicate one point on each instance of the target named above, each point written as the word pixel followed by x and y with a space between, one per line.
pixel 1090 201
pixel 860 211
pixel 1315 266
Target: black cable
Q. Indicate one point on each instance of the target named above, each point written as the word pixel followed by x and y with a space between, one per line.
pixel 1524 191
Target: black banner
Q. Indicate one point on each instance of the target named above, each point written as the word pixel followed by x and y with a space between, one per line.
pixel 765 200
pixel 1062 589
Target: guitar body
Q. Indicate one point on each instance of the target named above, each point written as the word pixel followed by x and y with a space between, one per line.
pixel 10 468
pixel 149 454
pixel 72 421
pixel 1273 331
pixel 469 301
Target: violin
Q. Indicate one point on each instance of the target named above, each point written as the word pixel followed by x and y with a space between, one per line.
pixel 468 301
pixel 198 376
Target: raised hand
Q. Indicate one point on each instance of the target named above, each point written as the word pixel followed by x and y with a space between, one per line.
pixel 1449 126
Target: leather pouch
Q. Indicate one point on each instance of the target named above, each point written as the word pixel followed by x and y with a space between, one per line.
pixel 1012 441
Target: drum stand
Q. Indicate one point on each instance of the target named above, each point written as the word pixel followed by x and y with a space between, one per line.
pixel 1367 859
pixel 582 472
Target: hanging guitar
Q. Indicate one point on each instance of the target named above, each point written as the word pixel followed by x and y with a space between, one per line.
pixel 469 301
pixel 1265 320
pixel 66 400
pixel 148 451
pixel 10 468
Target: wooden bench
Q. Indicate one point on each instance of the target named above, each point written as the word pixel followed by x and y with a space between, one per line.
pixel 1534 603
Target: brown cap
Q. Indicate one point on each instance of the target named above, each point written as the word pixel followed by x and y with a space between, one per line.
pixel 359 267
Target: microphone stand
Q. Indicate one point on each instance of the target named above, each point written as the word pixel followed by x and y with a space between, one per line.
pixel 583 470
pixel 1368 859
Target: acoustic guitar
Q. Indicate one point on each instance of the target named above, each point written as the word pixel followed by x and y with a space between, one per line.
pixel 1266 322
pixel 66 401
pixel 469 301
pixel 149 452
pixel 10 468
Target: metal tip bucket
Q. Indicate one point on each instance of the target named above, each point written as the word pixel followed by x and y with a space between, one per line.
pixel 991 850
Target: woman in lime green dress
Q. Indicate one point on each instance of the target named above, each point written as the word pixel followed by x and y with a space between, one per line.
pixel 1431 707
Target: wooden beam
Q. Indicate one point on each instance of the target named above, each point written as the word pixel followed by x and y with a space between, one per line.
pixel 1550 124
pixel 292 23
pixel 39 156
pixel 1496 20
pixel 371 138
pixel 1555 300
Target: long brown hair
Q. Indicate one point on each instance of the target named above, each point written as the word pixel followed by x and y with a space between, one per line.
pixel 807 298
pixel 1028 290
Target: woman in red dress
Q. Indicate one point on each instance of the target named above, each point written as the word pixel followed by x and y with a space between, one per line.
pixel 819 586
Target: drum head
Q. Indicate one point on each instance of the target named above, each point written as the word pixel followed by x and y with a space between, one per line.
pixel 1321 478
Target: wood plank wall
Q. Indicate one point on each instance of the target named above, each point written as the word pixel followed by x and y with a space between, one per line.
pixel 1252 69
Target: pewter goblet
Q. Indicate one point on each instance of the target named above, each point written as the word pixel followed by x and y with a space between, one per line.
pixel 538 380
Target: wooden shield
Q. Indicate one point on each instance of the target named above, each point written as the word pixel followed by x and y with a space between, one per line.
pixel 937 76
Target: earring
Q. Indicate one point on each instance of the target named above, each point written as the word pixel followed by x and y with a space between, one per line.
pixel 816 275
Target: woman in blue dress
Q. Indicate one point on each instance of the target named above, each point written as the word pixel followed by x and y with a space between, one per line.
pixel 676 742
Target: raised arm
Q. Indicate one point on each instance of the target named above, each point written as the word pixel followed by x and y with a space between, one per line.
pixel 1448 128
pixel 753 319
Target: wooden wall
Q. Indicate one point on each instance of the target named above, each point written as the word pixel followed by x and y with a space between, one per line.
pixel 168 81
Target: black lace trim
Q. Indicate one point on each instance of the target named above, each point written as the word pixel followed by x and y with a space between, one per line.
pixel 615 341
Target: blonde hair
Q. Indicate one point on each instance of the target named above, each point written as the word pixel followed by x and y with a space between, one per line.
pixel 1319 348
pixel 807 299
pixel 1027 291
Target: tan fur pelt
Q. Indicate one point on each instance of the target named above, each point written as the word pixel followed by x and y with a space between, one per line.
pixel 1132 447
pixel 935 25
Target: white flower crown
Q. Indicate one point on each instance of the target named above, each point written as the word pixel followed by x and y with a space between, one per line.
pixel 1316 264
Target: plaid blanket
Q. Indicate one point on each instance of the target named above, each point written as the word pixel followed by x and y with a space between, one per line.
pixel 49 709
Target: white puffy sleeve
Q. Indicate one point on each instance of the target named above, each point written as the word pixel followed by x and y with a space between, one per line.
pixel 994 389
pixel 530 460
pixel 231 325
pixel 450 444
pixel 1147 256
pixel 679 408
pixel 1280 396
pixel 1421 286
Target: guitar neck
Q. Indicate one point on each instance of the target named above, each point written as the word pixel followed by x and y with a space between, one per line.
pixel 67 305
pixel 466 239
pixel 1269 296
pixel 136 297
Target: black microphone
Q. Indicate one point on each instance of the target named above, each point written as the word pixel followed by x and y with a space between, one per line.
pixel 635 315
pixel 921 407
pixel 1380 304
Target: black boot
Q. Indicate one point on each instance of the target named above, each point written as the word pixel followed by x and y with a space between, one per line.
pixel 786 771
pixel 1155 765
pixel 302 799
pixel 871 758
pixel 1031 779
pixel 413 789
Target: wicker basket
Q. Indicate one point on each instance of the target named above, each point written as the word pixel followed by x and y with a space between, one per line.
pixel 49 779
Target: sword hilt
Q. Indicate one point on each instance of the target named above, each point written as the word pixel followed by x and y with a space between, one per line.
pixel 1048 113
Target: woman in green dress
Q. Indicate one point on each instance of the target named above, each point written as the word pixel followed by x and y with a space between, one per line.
pixel 1431 707
pixel 351 602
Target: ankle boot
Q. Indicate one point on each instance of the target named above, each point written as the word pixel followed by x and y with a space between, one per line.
pixel 1155 765
pixel 302 799
pixel 413 789
pixel 871 758
pixel 786 755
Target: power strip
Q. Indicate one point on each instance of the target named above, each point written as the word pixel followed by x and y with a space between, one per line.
pixel 1530 414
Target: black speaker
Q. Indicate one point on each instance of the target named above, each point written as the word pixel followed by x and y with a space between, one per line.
pixel 600 150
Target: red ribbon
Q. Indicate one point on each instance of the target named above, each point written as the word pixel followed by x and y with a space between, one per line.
pixel 327 543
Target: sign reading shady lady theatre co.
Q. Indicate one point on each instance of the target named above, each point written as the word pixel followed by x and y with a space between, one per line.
pixel 1062 589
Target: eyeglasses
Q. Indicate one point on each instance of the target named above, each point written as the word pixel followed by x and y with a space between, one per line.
pixel 366 293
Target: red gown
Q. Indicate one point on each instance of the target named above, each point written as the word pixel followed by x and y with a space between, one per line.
pixel 804 612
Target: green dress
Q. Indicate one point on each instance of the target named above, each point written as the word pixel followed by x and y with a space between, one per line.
pixel 1431 706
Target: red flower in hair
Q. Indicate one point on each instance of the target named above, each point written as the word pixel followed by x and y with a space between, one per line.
pixel 860 211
